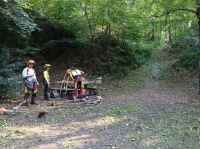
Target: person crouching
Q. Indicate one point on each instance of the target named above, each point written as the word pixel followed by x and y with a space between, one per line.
pixel 76 75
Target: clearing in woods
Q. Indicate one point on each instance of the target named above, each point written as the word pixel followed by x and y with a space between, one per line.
pixel 152 108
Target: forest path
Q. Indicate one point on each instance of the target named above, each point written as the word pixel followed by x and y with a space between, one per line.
pixel 169 106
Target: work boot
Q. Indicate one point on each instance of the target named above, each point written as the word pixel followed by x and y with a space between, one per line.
pixel 33 101
pixel 28 103
pixel 75 99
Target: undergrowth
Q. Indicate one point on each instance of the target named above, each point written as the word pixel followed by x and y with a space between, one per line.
pixel 187 52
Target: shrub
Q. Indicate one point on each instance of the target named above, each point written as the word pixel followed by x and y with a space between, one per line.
pixel 188 50
pixel 9 85
pixel 124 56
pixel 189 58
pixel 15 25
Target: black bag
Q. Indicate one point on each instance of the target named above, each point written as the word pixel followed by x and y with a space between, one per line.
pixel 54 94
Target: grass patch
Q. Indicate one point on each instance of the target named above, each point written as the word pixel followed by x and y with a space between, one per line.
pixel 127 85
pixel 122 110
pixel 171 129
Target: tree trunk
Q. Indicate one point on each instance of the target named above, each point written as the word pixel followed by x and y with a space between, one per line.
pixel 170 34
pixel 153 34
pixel 91 29
pixel 175 33
pixel 107 48
pixel 198 16
pixel 123 34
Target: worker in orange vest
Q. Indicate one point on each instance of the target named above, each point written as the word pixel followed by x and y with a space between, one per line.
pixel 76 75
pixel 30 83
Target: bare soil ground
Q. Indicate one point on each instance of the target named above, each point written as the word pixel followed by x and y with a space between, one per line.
pixel 154 107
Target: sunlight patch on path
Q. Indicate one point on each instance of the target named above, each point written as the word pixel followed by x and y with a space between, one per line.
pixel 74 134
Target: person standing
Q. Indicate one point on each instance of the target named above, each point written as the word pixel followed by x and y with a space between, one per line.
pixel 76 75
pixel 30 82
pixel 46 81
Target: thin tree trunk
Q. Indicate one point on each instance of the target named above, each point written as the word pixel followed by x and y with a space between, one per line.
pixel 89 23
pixel 198 16
pixel 170 34
pixel 92 36
pixel 175 32
pixel 153 34
pixel 107 48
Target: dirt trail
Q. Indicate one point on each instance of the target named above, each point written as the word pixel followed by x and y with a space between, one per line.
pixel 163 112
pixel 164 99
pixel 158 90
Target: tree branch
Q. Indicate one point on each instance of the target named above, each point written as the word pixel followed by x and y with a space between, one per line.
pixel 168 12
pixel 179 9
pixel 182 9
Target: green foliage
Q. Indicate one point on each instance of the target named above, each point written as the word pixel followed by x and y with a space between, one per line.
pixel 189 58
pixel 26 51
pixel 15 30
pixel 60 46
pixel 16 25
pixel 188 52
pixel 8 76
pixel 124 57
pixel 118 75
pixel 21 19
